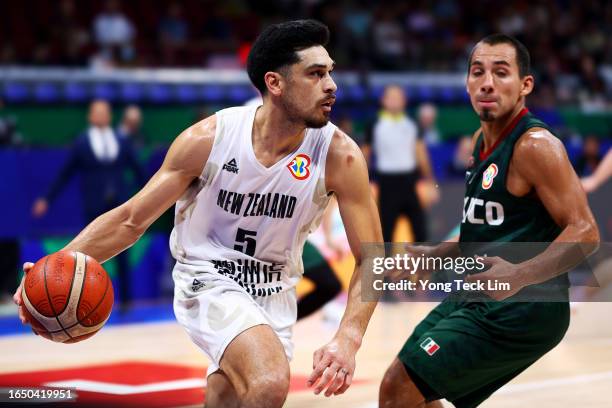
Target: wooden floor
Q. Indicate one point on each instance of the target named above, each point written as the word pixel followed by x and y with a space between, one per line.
pixel 578 373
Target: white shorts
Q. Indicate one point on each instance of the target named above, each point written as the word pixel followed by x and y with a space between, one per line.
pixel 214 310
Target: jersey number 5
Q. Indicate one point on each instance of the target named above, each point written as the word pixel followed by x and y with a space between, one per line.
pixel 245 241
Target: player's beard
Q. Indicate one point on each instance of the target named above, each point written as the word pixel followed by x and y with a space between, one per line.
pixel 295 114
pixel 486 116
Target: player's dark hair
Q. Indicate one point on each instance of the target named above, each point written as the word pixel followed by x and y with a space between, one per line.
pixel 277 46
pixel 523 60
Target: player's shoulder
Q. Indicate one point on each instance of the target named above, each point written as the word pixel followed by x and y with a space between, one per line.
pixel 344 161
pixel 202 132
pixel 538 143
pixel 191 149
pixel 342 147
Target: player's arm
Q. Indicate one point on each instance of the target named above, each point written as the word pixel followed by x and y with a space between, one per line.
pixel 541 161
pixel 601 174
pixel 121 227
pixel 557 186
pixel 347 175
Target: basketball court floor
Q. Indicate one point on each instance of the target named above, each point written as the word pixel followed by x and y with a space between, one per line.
pixel 154 363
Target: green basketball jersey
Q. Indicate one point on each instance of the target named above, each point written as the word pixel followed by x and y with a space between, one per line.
pixel 492 215
pixel 490 212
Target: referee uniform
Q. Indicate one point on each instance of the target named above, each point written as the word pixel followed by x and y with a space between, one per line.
pixel 393 139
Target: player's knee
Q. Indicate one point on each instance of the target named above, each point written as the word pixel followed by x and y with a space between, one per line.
pixel 267 391
pixel 388 385
pixel 394 382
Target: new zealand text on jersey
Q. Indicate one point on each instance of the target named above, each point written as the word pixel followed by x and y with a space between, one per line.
pixel 272 205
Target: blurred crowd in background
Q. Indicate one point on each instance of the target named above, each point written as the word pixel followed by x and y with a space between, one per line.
pixel 569 41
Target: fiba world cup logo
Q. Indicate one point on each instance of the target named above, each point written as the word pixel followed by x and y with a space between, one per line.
pixel 488 176
pixel 299 166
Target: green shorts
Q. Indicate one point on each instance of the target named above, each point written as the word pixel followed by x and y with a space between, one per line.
pixel 465 351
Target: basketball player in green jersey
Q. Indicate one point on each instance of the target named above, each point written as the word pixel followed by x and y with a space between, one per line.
pixel 521 187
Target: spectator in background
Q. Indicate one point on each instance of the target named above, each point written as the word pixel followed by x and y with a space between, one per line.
pixel 173 33
pixel 9 136
pixel 131 126
pixel 426 116
pixel 589 158
pixel 9 246
pixel 388 38
pixel 69 35
pixel 401 159
pixel 114 34
pixel 101 158
pixel 592 93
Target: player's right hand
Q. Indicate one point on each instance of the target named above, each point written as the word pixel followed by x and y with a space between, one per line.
pixel 17 296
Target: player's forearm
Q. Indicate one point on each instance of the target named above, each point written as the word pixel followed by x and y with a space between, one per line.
pixel 358 313
pixel 107 235
pixel 575 243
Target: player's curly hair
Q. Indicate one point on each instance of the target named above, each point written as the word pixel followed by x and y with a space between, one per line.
pixel 277 46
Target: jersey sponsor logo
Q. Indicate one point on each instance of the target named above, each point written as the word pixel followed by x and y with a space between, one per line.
pixel 488 176
pixel 473 209
pixel 197 285
pixel 299 166
pixel 231 166
pixel 250 273
pixel 430 346
pixel 273 205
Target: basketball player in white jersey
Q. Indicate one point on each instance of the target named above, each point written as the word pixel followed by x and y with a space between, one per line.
pixel 249 184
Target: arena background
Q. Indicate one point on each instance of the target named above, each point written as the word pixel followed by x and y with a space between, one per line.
pixel 180 61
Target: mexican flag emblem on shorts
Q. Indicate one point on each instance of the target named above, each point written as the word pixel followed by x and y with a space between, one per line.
pixel 430 346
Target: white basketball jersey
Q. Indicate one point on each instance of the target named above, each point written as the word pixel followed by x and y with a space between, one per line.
pixel 248 222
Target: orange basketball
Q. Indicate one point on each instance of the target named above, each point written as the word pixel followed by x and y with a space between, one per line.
pixel 68 296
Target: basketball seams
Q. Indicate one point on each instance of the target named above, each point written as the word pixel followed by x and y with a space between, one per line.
pixel 72 279
pixel 80 321
pixel 42 319
pixel 75 294
pixel 49 297
pixel 83 329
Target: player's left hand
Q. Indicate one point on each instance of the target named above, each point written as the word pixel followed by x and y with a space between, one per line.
pixel 333 366
pixel 500 271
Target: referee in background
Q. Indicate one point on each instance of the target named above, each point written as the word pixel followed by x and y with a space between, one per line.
pixel 397 154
